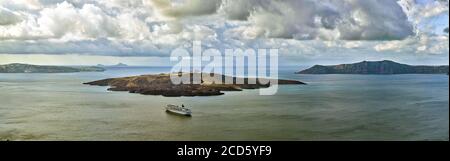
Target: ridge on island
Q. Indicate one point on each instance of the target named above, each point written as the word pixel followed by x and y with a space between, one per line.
pixel 27 68
pixel 162 85
pixel 376 67
pixel 117 65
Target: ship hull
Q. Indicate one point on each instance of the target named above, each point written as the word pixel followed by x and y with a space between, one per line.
pixel 179 113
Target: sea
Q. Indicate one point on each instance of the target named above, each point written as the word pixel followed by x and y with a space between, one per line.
pixel 329 107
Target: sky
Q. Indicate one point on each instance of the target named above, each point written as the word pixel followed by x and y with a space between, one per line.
pixel 144 32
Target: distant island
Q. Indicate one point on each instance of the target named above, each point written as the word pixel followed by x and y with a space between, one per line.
pixel 117 65
pixel 376 67
pixel 162 85
pixel 27 68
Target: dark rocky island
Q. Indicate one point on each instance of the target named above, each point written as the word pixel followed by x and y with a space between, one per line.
pixel 26 68
pixel 375 67
pixel 162 85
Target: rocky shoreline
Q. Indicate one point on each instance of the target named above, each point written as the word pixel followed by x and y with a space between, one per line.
pixel 162 85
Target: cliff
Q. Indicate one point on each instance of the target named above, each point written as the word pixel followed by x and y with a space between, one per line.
pixel 375 67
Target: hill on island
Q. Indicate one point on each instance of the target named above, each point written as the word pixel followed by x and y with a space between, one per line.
pixel 375 67
pixel 27 68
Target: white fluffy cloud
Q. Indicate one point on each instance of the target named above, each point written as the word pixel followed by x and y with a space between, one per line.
pixel 315 28
pixel 421 44
pixel 66 22
pixel 298 19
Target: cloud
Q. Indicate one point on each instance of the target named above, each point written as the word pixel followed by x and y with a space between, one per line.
pixel 65 22
pixel 425 13
pixel 87 22
pixel 21 5
pixel 429 19
pixel 239 9
pixel 85 47
pixel 304 28
pixel 8 17
pixel 424 44
pixel 187 8
pixel 289 19
pixel 327 20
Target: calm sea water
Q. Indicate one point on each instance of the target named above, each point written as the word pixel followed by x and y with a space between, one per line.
pixel 330 107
